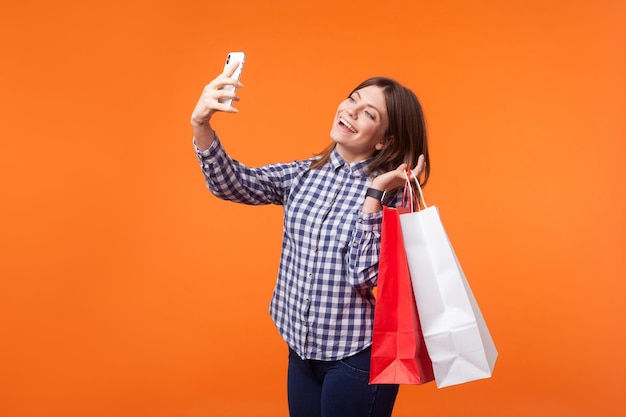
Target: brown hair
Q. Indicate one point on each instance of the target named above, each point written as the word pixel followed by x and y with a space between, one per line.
pixel 407 130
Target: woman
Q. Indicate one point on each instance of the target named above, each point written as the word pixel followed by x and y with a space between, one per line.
pixel 323 304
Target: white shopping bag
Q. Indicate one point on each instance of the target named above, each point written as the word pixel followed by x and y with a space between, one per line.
pixel 456 336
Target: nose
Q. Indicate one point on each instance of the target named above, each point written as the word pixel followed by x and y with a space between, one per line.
pixel 352 111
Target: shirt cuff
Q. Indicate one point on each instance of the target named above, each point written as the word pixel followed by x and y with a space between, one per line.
pixel 370 222
pixel 208 152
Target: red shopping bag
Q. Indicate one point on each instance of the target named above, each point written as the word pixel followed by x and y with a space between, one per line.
pixel 399 354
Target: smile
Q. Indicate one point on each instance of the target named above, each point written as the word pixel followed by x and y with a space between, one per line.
pixel 347 124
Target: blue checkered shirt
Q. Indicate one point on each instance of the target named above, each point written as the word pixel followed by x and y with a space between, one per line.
pixel 322 304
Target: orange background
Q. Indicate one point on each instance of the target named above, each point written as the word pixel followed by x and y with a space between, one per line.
pixel 128 290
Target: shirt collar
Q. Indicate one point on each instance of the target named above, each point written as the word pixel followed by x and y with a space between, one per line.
pixel 358 169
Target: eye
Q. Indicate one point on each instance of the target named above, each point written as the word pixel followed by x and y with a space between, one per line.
pixel 351 99
pixel 370 115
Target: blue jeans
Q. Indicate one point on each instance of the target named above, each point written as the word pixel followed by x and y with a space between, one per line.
pixel 336 388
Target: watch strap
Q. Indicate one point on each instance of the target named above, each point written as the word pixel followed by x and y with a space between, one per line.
pixel 374 193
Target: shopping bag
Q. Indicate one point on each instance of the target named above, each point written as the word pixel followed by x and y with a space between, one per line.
pixel 458 341
pixel 398 355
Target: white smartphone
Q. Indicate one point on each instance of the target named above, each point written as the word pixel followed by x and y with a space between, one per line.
pixel 232 57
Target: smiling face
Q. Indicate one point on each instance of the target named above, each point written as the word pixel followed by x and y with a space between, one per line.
pixel 360 124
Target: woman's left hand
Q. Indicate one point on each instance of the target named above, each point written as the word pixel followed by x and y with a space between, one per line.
pixel 396 178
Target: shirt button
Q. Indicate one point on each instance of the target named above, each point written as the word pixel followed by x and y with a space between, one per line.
pixel 360 220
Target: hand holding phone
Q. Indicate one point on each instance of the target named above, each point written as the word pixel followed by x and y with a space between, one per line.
pixel 233 57
pixel 212 99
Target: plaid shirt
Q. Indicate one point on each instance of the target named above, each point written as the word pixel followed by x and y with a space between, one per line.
pixel 322 304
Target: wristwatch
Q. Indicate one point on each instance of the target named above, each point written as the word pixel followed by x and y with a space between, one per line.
pixel 377 194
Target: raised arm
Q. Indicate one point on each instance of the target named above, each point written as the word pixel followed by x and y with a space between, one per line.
pixel 209 104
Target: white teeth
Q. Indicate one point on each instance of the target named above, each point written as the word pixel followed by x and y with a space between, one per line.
pixel 347 124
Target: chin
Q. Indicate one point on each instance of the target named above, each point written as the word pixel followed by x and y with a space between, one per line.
pixel 338 136
pixel 335 136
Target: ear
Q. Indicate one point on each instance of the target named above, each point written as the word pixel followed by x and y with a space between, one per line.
pixel 384 143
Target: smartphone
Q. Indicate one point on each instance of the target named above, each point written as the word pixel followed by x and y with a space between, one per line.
pixel 233 56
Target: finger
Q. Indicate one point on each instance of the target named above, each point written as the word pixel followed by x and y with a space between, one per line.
pixel 421 164
pixel 222 95
pixel 402 167
pixel 225 108
pixel 220 82
pixel 220 88
pixel 230 69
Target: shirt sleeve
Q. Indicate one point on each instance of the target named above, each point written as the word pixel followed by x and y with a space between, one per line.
pixel 231 180
pixel 364 251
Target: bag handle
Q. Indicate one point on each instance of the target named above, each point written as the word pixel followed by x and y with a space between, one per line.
pixel 408 198
pixel 407 184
